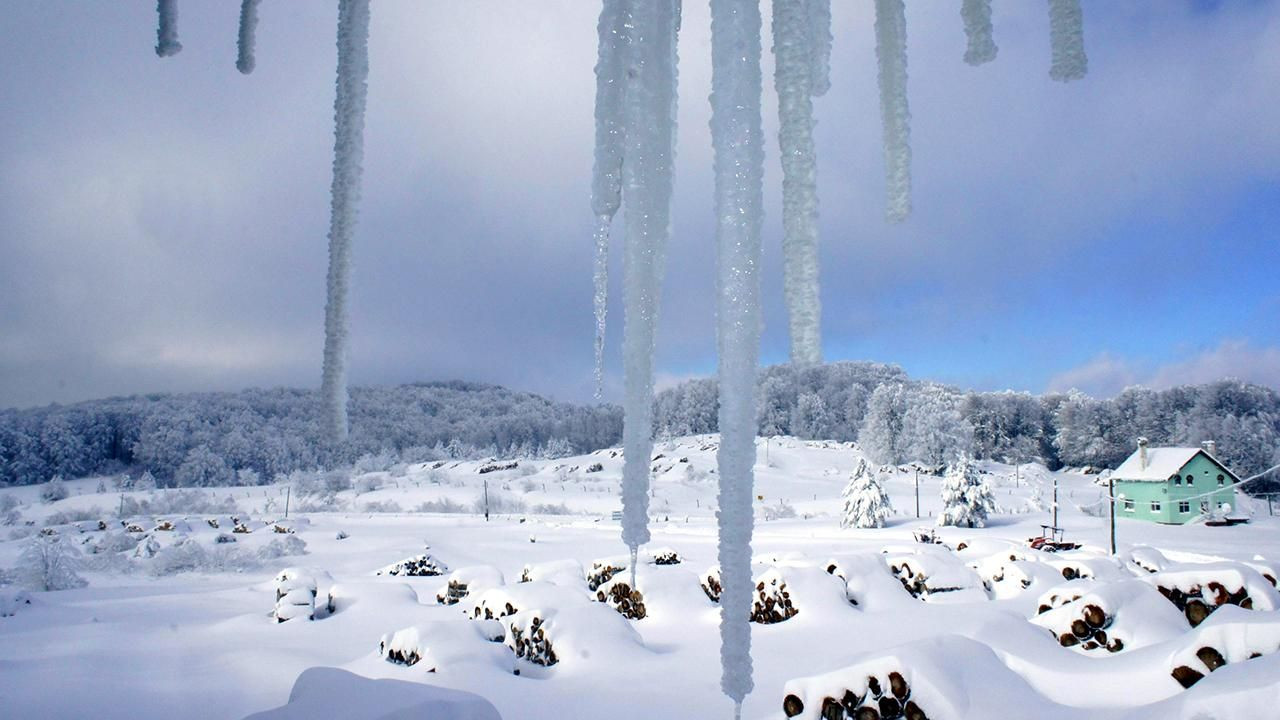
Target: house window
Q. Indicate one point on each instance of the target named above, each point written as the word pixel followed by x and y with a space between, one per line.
pixel 1177 479
pixel 1128 506
pixel 1184 507
pixel 1190 479
pixel 1155 506
pixel 1222 480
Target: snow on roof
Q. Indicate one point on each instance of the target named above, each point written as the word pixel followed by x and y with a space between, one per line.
pixel 1162 463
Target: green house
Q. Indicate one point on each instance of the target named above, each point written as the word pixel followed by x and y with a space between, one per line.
pixel 1173 485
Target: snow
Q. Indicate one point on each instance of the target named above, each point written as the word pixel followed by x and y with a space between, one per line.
pixel 1162 463
pixel 330 692
pixel 167 28
pixel 1066 39
pixel 647 177
pixel 738 142
pixel 891 55
pixel 245 60
pixel 977 29
pixel 348 154
pixel 794 76
pixel 137 644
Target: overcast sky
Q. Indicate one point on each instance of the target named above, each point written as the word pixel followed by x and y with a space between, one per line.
pixel 163 221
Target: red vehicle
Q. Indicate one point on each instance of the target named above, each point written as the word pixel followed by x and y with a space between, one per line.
pixel 1050 540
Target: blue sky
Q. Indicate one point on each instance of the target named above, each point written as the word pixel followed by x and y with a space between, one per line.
pixel 163 221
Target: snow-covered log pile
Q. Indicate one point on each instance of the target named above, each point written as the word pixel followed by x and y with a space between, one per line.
pixel 603 570
pixel 1063 594
pixel 1077 565
pixel 929 576
pixel 1200 589
pixel 664 556
pixel 239 527
pixel 772 601
pixel 1145 559
pixel 295 595
pixel 560 572
pixel 1230 637
pixel 506 600
pixel 528 638
pixel 1114 616
pixel 446 644
pixel 883 695
pixel 619 595
pixel 465 581
pixel 136 528
pixel 711 584
pixel 424 565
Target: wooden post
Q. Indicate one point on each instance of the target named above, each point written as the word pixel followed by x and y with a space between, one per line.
pixel 486 500
pixel 917 491
pixel 121 513
pixel 1111 491
pixel 286 500
pixel 1055 501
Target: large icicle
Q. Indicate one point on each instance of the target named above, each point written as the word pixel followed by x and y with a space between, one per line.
pixel 795 50
pixel 348 152
pixel 606 180
pixel 738 141
pixel 649 115
pixel 977 28
pixel 1066 36
pixel 167 30
pixel 891 53
pixel 244 42
pixel 819 14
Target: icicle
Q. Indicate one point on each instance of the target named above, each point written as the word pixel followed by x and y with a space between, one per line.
pixel 635 553
pixel 891 52
pixel 1066 35
pixel 244 43
pixel 977 28
pixel 167 32
pixel 606 180
pixel 649 115
pixel 794 50
pixel 738 141
pixel 348 152
pixel 819 16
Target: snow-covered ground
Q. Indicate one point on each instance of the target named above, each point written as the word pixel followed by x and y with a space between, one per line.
pixel 150 636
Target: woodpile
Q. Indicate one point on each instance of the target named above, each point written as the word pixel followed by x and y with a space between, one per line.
pixel 602 571
pixel 282 529
pixel 711 584
pixel 772 602
pixel 527 637
pixel 595 467
pixel 1088 630
pixel 453 593
pixel 1056 599
pixel 240 528
pixel 1198 601
pixel 1210 658
pixel 889 699
pixel 487 610
pixel 102 524
pixel 916 581
pixel 619 595
pixel 295 595
pixel 497 467
pixel 213 523
pixel 165 526
pixel 666 556
pixel 134 528
pixel 416 566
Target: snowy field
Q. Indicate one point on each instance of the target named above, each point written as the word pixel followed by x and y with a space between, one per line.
pixel 175 622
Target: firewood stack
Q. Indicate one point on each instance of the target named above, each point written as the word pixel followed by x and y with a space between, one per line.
pixel 1208 659
pixel 666 556
pixel 1089 631
pixel 416 566
pixel 240 528
pixel 602 571
pixel 878 700
pixel 619 595
pixel 1056 599
pixel 453 593
pixel 488 610
pixel 295 595
pixel 528 639
pixel 772 601
pixel 1198 601
pixel 711 584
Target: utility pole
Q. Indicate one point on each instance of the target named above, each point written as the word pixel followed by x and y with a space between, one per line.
pixel 121 513
pixel 1111 497
pixel 486 500
pixel 286 500
pixel 917 491
pixel 1017 481
pixel 1055 501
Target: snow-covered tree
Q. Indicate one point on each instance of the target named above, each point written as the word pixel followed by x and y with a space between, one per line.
pixel 204 468
pixel 811 420
pixel 932 428
pixel 54 491
pixel 966 495
pixel 881 433
pixel 866 504
pixel 49 563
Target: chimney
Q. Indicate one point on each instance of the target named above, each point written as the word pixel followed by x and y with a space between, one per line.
pixel 1142 453
pixel 1210 447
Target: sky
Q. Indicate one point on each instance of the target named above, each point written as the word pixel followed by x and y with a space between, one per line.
pixel 163 221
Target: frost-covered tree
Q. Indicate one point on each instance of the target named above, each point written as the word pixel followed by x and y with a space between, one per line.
pixel 881 433
pixel 866 505
pixel 810 419
pixel 48 562
pixel 55 490
pixel 966 495
pixel 933 431
pixel 203 468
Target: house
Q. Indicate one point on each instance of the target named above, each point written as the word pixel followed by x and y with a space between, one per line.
pixel 1173 485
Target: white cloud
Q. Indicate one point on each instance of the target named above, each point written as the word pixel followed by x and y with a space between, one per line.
pixel 1108 374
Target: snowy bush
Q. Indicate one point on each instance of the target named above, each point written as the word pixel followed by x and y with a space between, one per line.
pixel 48 562
pixel 866 505
pixel 179 502
pixel 551 509
pixel 443 505
pixel 64 517
pixel 54 490
pixel 185 555
pixel 282 547
pixel 966 496
pixel 417 566
pixel 9 514
pixel 382 506
pixel 499 503
pixel 782 511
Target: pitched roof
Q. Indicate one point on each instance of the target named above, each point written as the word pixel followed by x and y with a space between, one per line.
pixel 1162 463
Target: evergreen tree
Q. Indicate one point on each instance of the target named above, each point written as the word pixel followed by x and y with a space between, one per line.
pixel 966 496
pixel 866 504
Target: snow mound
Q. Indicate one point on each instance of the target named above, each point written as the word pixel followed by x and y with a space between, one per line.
pixel 1145 559
pixel 1113 616
pixel 663 556
pixel 936 575
pixel 868 583
pixel 560 572
pixel 330 692
pixel 465 581
pixel 11 600
pixel 424 565
pixel 497 603
pixel 374 597
pixel 295 595
pixel 573 635
pixel 1229 637
pixel 440 645
pixel 1200 589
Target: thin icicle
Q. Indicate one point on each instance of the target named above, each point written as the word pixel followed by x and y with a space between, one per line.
pixel 1066 35
pixel 819 16
pixel 245 41
pixel 649 112
pixel 891 53
pixel 977 28
pixel 738 141
pixel 606 179
pixel 794 50
pixel 167 31
pixel 348 152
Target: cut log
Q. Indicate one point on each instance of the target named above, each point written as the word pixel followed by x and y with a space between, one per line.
pixel 1196 612
pixel 1094 615
pixel 912 711
pixel 898 686
pixel 1185 676
pixel 831 709
pixel 1211 658
pixel 889 707
pixel 792 705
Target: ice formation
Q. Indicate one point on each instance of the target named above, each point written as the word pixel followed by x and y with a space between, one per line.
pixel 167 32
pixel 606 180
pixel 348 151
pixel 738 142
pixel 891 54
pixel 977 28
pixel 1066 36
pixel 649 148
pixel 819 17
pixel 245 40
pixel 796 68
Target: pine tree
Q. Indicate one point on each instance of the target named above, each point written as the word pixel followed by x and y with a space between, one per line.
pixel 966 496
pixel 866 504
